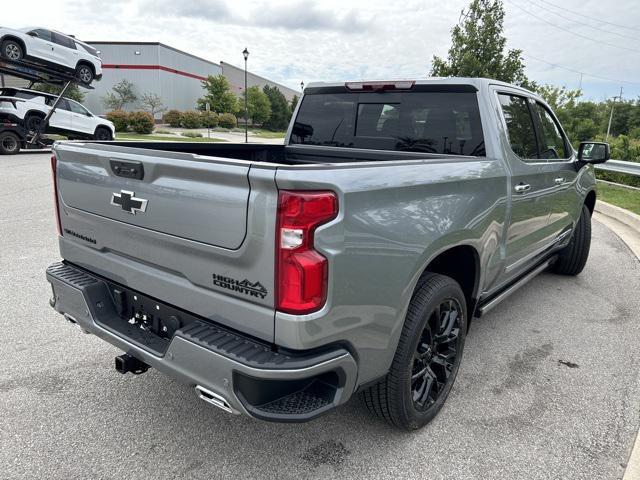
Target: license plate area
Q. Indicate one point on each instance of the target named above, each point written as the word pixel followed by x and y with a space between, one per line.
pixel 140 319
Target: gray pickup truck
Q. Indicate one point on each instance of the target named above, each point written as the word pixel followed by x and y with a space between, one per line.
pixel 280 280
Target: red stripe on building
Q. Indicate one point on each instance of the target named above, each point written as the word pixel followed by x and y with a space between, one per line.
pixel 153 67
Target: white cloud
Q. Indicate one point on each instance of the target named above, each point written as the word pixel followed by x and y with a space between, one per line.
pixel 313 40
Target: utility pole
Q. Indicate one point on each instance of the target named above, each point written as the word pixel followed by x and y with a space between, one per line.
pixel 611 114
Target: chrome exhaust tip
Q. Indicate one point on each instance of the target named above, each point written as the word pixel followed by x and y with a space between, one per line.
pixel 74 322
pixel 214 399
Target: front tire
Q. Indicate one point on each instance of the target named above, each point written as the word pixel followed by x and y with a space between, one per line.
pixel 103 134
pixel 84 73
pixel 12 50
pixel 427 358
pixel 9 143
pixel 573 257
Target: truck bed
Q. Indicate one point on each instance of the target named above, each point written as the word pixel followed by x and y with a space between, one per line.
pixel 267 153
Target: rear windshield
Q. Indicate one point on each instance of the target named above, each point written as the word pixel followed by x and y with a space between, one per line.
pixel 430 122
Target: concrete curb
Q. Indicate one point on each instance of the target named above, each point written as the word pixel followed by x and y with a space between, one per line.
pixel 620 214
pixel 626 225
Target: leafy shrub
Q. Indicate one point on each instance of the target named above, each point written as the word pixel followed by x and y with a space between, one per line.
pixel 191 134
pixel 209 119
pixel 163 131
pixel 227 120
pixel 173 118
pixel 141 122
pixel 191 119
pixel 119 118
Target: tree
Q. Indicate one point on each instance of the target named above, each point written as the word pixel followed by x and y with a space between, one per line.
pixel 478 47
pixel 559 97
pixel 218 95
pixel 258 105
pixel 152 103
pixel 122 94
pixel 294 104
pixel 73 92
pixel 280 113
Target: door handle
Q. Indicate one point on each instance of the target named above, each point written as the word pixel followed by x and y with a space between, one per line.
pixel 522 187
pixel 559 180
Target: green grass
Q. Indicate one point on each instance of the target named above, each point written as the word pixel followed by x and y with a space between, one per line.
pixel 163 138
pixel 267 133
pixel 620 196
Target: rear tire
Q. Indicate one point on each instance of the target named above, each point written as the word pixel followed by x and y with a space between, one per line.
pixel 12 50
pixel 34 123
pixel 84 74
pixel 9 143
pixel 573 257
pixel 427 358
pixel 103 134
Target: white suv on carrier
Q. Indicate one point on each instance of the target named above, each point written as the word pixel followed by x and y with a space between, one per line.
pixel 70 118
pixel 52 49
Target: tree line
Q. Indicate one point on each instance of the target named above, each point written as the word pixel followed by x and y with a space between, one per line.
pixel 478 49
pixel 267 107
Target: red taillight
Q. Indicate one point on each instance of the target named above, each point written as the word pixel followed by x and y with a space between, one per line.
pixel 54 165
pixel 301 272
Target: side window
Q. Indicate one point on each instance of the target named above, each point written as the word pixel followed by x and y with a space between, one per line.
pixel 63 105
pixel 522 135
pixel 41 34
pixel 552 142
pixel 76 108
pixel 63 41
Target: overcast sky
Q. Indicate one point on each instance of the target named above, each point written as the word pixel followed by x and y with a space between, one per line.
pixel 309 40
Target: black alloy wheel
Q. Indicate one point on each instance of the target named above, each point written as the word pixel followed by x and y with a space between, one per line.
pixel 436 354
pixel 34 123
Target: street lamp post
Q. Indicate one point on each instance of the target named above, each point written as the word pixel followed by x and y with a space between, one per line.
pixel 302 87
pixel 245 53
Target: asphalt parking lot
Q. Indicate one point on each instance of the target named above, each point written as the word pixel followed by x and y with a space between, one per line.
pixel 549 386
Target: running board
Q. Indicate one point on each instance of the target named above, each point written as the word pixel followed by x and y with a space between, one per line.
pixel 484 308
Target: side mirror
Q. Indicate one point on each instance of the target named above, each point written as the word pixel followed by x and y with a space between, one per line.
pixel 594 152
pixel 32 34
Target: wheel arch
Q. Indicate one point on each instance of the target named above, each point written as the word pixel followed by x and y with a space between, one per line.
pixel 37 113
pixel 88 64
pixel 16 39
pixel 106 127
pixel 590 201
pixel 462 263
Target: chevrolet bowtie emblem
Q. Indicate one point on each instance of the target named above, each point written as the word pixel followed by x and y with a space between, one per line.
pixel 128 202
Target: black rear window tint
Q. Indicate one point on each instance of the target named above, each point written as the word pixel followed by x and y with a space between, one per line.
pixel 430 122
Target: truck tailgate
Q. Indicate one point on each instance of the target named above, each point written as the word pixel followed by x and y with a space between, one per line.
pixel 194 231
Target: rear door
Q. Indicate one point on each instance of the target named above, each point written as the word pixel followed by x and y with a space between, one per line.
pixel 81 119
pixel 64 50
pixel 62 118
pixel 193 231
pixel 532 186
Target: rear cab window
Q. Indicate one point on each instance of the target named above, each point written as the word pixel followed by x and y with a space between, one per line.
pixel 428 119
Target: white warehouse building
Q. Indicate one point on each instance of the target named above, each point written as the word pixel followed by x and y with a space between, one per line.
pixel 151 67
pixel 175 76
